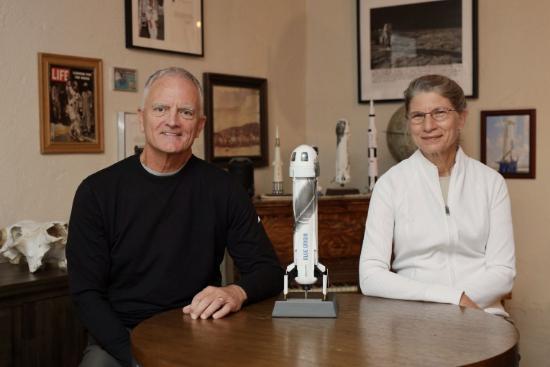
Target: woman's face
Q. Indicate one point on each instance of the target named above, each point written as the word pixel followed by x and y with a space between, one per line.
pixel 433 137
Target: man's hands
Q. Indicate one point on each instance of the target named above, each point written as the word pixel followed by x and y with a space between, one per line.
pixel 466 301
pixel 216 302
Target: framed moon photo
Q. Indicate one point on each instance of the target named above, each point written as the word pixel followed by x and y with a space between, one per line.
pixel 400 40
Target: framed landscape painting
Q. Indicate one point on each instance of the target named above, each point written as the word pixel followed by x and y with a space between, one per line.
pixel 236 112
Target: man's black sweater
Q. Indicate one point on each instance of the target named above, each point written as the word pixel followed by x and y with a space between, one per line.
pixel 140 244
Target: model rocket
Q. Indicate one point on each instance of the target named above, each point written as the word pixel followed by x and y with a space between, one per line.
pixel 304 170
pixel 372 149
pixel 342 175
pixel 277 188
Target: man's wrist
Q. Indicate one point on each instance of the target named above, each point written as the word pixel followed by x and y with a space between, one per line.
pixel 240 292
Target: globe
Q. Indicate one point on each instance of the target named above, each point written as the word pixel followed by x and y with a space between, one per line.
pixel 398 137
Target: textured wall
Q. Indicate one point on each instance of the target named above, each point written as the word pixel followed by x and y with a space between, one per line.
pixel 242 37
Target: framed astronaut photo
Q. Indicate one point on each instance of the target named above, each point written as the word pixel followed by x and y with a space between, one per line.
pixel 71 104
pixel 400 40
pixel 169 26
pixel 508 140
pixel 236 118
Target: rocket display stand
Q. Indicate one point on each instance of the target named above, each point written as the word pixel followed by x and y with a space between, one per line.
pixel 306 307
pixel 304 170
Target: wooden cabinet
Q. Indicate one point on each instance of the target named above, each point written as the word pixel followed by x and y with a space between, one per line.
pixel 341 223
pixel 38 325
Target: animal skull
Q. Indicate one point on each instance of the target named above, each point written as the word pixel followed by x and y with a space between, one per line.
pixel 34 240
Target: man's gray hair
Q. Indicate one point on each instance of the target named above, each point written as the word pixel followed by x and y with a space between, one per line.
pixel 173 71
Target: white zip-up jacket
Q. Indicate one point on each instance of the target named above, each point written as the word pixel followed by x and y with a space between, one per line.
pixel 439 250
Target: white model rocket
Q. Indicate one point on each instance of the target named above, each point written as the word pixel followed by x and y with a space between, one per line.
pixel 343 175
pixel 304 170
pixel 277 188
pixel 372 149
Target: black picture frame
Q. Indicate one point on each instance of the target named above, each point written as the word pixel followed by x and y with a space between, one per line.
pixel 236 112
pixel 166 26
pixel 508 142
pixel 398 41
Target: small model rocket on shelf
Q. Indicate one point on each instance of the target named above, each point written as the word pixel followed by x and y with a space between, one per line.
pixel 343 167
pixel 277 167
pixel 342 175
pixel 372 149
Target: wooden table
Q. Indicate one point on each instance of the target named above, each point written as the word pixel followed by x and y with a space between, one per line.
pixel 368 332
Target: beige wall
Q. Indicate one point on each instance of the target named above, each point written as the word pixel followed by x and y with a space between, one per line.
pixel 514 73
pixel 282 40
pixel 331 91
pixel 242 37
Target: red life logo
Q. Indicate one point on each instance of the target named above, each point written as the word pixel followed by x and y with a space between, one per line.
pixel 59 74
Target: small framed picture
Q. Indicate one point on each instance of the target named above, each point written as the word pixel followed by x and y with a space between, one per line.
pixel 131 139
pixel 508 140
pixel 170 26
pixel 125 80
pixel 236 109
pixel 71 104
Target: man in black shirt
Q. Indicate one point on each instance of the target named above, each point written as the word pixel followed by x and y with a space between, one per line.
pixel 148 233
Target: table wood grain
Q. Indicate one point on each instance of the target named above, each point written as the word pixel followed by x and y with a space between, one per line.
pixel 369 331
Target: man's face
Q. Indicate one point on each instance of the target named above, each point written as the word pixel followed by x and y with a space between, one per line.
pixel 170 117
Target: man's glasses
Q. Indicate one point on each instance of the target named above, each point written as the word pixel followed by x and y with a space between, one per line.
pixel 438 114
pixel 160 110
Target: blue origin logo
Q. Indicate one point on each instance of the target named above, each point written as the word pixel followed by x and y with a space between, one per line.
pixel 305 247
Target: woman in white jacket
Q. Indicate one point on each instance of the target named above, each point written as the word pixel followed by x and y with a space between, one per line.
pixel 439 227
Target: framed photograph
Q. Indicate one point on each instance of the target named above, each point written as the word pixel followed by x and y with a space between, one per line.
pixel 508 140
pixel 131 139
pixel 400 40
pixel 71 104
pixel 169 26
pixel 125 80
pixel 236 111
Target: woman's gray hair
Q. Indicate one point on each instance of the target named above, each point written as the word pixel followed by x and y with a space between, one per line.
pixel 173 71
pixel 439 84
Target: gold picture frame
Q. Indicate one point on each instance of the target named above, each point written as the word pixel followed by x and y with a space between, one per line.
pixel 71 104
